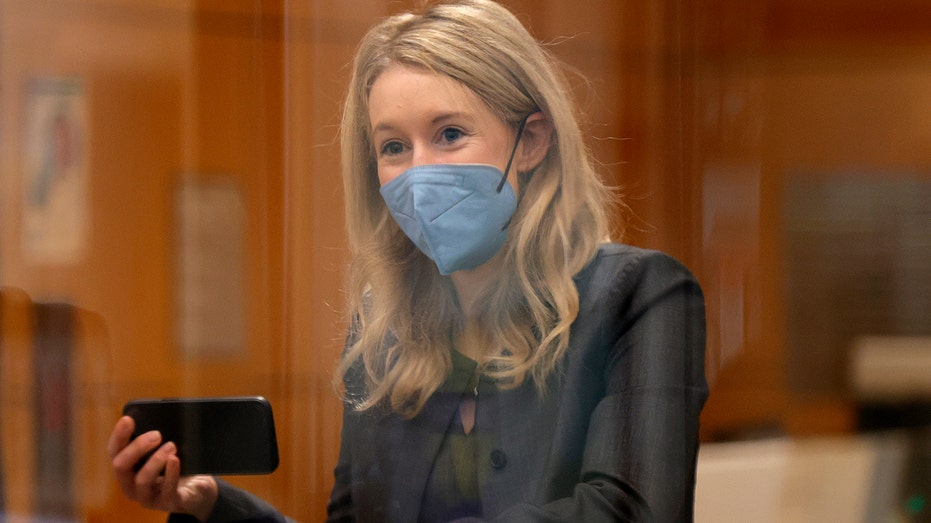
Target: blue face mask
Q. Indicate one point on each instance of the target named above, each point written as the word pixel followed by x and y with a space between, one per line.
pixel 454 213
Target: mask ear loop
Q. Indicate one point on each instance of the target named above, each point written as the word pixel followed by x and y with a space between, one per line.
pixel 520 132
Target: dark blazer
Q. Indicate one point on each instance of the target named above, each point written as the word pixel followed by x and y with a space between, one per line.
pixel 614 437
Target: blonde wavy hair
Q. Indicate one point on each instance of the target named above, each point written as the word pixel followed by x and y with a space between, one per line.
pixel 405 313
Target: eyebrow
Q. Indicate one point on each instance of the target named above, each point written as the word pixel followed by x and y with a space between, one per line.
pixel 439 118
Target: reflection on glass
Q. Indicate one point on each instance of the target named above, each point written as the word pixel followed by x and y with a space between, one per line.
pixel 780 147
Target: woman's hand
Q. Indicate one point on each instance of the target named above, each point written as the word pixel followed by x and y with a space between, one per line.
pixel 158 485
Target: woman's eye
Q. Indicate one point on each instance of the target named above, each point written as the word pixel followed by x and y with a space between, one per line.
pixel 451 134
pixel 392 148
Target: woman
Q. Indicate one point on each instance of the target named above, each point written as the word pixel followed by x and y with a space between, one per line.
pixel 503 363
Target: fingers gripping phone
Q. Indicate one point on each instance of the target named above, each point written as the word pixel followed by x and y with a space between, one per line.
pixel 229 435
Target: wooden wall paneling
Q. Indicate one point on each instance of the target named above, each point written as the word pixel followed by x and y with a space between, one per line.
pixel 93 405
pixel 320 42
pixel 738 253
pixel 174 92
pixel 682 98
pixel 236 117
pixel 848 85
pixel 132 96
pixel 17 445
pixel 835 88
pixel 322 37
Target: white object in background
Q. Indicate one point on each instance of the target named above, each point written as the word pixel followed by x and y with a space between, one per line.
pixel 891 368
pixel 741 482
pixel 852 479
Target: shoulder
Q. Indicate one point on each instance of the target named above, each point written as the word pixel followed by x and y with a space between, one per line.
pixel 621 265
pixel 624 280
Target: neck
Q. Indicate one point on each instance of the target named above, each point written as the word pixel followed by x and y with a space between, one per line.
pixel 469 342
pixel 471 284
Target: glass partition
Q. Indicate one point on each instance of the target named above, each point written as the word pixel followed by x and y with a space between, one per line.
pixel 171 221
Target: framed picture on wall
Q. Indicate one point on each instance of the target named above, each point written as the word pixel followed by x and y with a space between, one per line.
pixel 209 289
pixel 55 208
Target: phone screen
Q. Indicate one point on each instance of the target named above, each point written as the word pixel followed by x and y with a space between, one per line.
pixel 231 435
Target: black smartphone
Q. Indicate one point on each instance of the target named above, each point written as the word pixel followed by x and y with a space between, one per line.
pixel 227 435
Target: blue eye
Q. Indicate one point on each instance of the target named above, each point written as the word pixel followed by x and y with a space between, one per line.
pixel 451 134
pixel 392 148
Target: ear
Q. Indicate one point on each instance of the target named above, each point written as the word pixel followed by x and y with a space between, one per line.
pixel 535 142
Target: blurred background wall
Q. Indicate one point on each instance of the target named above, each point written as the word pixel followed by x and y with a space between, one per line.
pixel 170 222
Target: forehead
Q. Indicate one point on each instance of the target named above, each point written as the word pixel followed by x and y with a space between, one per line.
pixel 406 90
